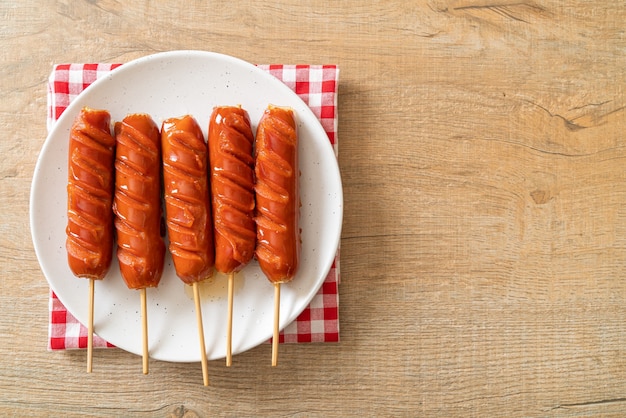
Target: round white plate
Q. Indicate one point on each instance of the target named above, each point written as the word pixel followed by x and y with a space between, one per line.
pixel 174 84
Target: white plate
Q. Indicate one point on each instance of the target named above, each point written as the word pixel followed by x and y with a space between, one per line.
pixel 167 85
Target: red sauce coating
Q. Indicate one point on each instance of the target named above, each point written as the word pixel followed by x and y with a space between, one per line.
pixel 187 200
pixel 230 142
pixel 277 194
pixel 89 228
pixel 137 203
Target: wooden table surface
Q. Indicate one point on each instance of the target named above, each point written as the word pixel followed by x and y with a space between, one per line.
pixel 482 149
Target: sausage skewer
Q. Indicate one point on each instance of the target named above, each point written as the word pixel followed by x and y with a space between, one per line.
pixel 229 322
pixel 276 330
pixel 145 353
pixel 89 228
pixel 137 208
pixel 92 285
pixel 188 209
pixel 278 203
pixel 230 143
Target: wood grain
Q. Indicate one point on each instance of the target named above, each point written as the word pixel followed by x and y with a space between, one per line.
pixel 484 242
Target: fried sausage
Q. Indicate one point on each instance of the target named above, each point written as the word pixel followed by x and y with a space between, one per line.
pixel 230 142
pixel 89 229
pixel 187 200
pixel 137 202
pixel 277 198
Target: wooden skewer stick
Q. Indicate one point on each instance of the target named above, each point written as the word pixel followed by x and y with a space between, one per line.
pixel 90 327
pixel 276 320
pixel 229 326
pixel 144 329
pixel 205 365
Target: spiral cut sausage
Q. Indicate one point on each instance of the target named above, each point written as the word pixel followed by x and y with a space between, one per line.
pixel 89 229
pixel 137 203
pixel 230 142
pixel 187 204
pixel 277 198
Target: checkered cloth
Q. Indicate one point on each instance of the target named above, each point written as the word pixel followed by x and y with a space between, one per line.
pixel 317 86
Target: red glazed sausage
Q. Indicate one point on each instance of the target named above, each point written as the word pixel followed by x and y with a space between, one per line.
pixel 230 142
pixel 89 229
pixel 137 203
pixel 187 200
pixel 277 195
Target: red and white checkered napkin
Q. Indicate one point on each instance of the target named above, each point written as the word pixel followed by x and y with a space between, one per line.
pixel 317 86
